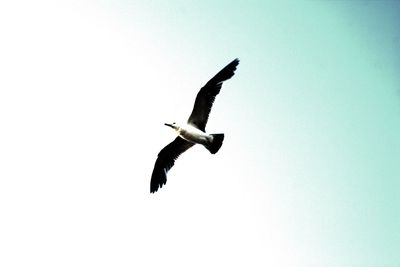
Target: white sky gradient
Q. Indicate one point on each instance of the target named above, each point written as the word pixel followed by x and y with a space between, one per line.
pixel 307 174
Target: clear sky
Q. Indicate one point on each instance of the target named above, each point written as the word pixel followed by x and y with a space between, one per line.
pixel 309 171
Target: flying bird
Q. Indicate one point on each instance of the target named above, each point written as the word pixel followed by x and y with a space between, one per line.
pixel 194 131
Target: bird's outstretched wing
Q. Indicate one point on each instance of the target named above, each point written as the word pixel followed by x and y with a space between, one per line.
pixel 165 160
pixel 206 96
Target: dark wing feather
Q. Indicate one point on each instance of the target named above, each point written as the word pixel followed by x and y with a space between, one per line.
pixel 206 96
pixel 165 160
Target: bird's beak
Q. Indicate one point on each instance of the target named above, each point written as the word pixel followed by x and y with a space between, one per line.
pixel 167 124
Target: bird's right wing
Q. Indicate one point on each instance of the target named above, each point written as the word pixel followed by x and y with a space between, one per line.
pixel 165 160
pixel 206 96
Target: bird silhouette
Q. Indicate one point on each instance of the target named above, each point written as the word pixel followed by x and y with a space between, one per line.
pixel 193 132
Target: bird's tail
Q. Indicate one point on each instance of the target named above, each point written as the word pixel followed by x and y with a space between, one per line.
pixel 215 144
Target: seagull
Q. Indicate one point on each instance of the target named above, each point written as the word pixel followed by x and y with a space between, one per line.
pixel 193 132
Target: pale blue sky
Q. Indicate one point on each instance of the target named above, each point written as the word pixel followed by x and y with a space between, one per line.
pixel 308 174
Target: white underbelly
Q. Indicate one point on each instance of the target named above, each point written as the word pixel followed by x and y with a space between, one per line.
pixel 192 134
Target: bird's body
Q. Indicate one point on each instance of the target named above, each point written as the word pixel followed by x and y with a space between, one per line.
pixel 193 132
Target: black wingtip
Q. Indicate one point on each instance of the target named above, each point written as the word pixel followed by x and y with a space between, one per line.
pixel 231 67
pixel 233 64
pixel 226 73
pixel 155 185
pixel 154 188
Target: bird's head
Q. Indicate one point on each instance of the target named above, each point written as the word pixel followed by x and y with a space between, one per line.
pixel 173 125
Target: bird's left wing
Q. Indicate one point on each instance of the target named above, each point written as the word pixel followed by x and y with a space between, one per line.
pixel 206 96
pixel 165 160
